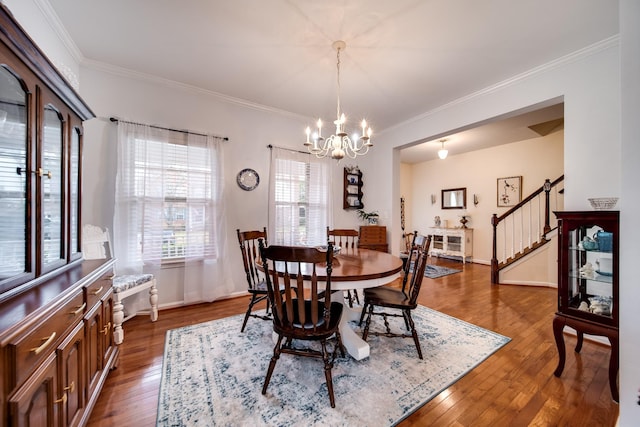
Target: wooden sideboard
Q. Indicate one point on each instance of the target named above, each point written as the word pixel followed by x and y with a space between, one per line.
pixel 56 347
pixel 453 242
pixel 373 237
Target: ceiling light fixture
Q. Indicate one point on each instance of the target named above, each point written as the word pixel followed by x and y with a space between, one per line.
pixel 442 152
pixel 339 145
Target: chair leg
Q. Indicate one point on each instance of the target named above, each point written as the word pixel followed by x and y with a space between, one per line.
pixel 414 333
pixel 364 311
pixel 365 333
pixel 153 300
pixel 327 373
pixel 246 316
pixel 350 299
pixel 272 364
pixel 355 295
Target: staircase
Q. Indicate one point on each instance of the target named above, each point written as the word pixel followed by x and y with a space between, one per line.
pixel 525 228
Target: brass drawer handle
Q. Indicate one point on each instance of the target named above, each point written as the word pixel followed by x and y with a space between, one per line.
pixel 106 329
pixel 97 291
pixel 79 310
pixel 71 388
pixel 62 400
pixel 49 340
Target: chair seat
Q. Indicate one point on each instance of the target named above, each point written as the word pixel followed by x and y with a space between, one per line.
pixel 129 281
pixel 387 297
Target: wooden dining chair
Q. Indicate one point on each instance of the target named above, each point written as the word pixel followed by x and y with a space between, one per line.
pixel 257 288
pixel 302 313
pixel 405 300
pixel 345 238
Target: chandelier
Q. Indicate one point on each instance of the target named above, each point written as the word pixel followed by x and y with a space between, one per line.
pixel 339 144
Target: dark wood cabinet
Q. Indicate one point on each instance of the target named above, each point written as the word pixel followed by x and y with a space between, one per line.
pixel 373 237
pixel 588 282
pixel 352 198
pixel 56 308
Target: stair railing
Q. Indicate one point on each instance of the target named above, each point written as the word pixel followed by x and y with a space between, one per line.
pixel 524 227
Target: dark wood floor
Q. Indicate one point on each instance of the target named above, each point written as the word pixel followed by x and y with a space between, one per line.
pixel 514 387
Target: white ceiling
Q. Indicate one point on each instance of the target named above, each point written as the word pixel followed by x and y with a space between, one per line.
pixel 403 57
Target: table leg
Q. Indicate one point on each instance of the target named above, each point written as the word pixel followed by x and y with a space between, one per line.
pixel 355 345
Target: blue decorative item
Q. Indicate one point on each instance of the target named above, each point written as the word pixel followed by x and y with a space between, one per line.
pixel 589 244
pixel 605 241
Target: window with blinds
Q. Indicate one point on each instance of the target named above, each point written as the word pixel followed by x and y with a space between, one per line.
pixel 301 193
pixel 173 197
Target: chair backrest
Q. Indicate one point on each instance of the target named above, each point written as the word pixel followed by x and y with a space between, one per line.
pixel 96 243
pixel 248 241
pixel 418 275
pixel 298 308
pixel 343 237
pixel 419 242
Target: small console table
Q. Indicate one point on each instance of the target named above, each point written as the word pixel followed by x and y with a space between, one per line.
pixel 456 242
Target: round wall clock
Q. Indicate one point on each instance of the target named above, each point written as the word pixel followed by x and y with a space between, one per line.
pixel 248 179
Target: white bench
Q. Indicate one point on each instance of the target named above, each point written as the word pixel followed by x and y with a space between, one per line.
pixel 93 247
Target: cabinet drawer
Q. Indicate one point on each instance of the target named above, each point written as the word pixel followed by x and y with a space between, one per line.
pixel 31 348
pixel 96 290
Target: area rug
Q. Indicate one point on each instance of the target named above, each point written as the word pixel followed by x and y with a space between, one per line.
pixel 435 271
pixel 212 375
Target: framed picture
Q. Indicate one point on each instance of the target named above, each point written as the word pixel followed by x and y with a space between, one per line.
pixel 509 191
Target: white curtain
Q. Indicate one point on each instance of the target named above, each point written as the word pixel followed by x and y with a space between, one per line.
pixel 169 210
pixel 300 207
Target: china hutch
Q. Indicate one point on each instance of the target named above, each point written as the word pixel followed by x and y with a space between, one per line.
pixel 56 338
pixel 588 282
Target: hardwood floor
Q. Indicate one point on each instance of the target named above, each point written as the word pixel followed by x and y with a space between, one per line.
pixel 514 387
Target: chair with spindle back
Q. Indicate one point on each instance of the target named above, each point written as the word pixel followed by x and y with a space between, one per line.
pixel 405 299
pixel 348 239
pixel 302 313
pixel 248 241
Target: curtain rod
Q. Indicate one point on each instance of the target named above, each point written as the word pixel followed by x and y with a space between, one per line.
pixel 288 149
pixel 116 120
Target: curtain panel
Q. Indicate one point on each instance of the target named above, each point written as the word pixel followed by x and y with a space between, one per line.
pixel 169 209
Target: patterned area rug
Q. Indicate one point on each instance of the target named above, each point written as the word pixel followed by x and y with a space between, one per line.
pixel 435 271
pixel 213 375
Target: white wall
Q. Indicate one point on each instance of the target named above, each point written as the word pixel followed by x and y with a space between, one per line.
pixel 534 159
pixel 629 214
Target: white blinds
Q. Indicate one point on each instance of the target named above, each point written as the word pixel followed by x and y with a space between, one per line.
pixel 299 199
pixel 167 193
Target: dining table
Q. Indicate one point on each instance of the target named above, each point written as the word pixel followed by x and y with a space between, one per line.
pixel 355 268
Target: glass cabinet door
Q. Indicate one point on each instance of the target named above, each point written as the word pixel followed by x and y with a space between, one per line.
pixel 74 193
pixel 14 177
pixel 591 270
pixel 51 181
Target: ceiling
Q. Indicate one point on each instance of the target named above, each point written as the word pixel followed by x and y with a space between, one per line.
pixel 403 57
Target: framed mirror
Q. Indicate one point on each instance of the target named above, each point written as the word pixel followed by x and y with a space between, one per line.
pixel 454 198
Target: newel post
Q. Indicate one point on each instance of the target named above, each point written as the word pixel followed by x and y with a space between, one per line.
pixel 494 256
pixel 547 207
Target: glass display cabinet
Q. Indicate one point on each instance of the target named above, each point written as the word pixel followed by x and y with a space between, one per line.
pixel 352 189
pixel 588 282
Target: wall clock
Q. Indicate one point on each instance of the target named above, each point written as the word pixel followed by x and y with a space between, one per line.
pixel 248 179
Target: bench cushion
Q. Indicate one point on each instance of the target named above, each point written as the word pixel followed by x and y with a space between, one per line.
pixel 123 283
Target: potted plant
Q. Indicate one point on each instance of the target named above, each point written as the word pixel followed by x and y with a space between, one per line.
pixel 369 217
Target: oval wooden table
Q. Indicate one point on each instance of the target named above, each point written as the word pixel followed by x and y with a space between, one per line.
pixel 357 269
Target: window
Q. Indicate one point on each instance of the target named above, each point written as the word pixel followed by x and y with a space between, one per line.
pixel 300 195
pixel 167 195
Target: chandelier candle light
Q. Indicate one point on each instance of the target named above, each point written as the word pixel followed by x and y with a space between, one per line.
pixel 340 144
